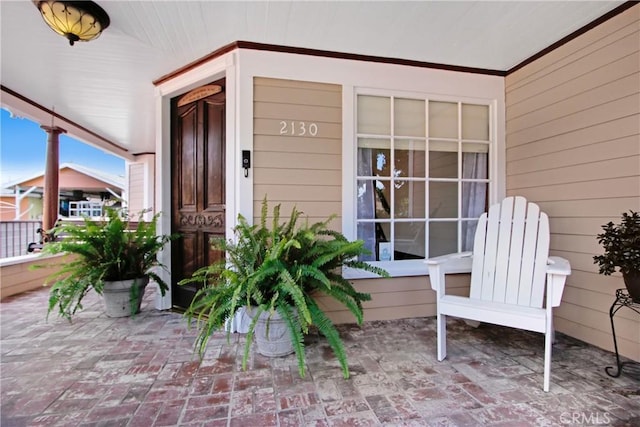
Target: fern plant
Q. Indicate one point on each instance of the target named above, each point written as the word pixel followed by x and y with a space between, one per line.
pixel 281 268
pixel 98 251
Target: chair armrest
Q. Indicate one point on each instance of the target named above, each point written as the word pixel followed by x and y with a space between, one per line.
pixel 453 263
pixel 557 271
pixel 460 262
pixel 558 265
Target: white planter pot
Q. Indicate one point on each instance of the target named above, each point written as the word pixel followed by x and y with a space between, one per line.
pixel 272 335
pixel 118 296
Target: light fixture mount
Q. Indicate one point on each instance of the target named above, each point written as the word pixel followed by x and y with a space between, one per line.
pixel 75 20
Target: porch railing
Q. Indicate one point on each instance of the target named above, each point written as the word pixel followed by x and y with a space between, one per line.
pixel 15 237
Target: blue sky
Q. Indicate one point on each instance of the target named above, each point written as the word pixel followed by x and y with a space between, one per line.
pixel 23 148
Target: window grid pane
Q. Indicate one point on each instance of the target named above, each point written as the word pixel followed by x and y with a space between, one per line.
pixel 85 208
pixel 438 185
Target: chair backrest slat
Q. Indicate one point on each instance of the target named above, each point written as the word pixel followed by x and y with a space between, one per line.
pixel 540 267
pixel 478 260
pixel 528 254
pixel 504 243
pixel 511 249
pixel 517 245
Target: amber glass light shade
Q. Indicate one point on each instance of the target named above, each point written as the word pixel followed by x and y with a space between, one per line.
pixel 75 20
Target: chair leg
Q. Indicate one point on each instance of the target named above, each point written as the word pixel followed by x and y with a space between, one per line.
pixel 548 339
pixel 441 325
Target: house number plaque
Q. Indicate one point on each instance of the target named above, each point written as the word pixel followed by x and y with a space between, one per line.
pixel 298 128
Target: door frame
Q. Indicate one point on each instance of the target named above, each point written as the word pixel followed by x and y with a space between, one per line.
pixel 221 67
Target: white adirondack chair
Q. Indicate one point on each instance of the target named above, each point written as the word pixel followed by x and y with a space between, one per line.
pixel 509 264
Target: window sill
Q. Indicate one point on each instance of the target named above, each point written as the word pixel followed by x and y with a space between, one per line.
pixel 395 269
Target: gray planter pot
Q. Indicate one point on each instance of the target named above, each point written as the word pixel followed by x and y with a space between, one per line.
pixel 272 335
pixel 118 297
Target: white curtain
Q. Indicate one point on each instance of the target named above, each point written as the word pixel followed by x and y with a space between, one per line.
pixel 474 194
pixel 366 203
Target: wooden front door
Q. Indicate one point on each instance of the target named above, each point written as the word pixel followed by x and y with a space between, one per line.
pixel 198 187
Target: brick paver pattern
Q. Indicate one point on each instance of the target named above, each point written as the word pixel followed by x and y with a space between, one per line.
pixel 142 371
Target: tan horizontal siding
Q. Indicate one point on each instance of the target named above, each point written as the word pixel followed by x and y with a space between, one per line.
pixel 312 209
pixel 298 147
pixel 596 170
pixel 301 193
pixel 581 155
pixel 315 161
pixel 609 208
pixel 20 277
pixel 601 302
pixel 623 107
pixel 288 112
pixel 284 84
pixel 548 112
pixel 628 186
pixel 577 226
pixel 599 283
pixel 575 243
pixel 279 144
pixel 580 261
pixel 573 146
pixel 298 95
pixel 397 298
pixel 602 339
pixel 577 89
pixel 592 133
pixel 592 80
pixel 599 322
pixel 297 176
pixel 385 313
pixel 334 224
pixel 136 187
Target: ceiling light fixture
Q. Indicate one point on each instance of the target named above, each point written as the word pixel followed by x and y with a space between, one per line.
pixel 75 20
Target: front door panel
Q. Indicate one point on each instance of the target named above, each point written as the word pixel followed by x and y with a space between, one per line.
pixel 198 196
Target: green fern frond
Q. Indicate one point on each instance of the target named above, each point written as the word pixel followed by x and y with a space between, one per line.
pixel 326 328
pixel 290 287
pixel 279 269
pixel 348 300
pixel 249 336
pixel 296 332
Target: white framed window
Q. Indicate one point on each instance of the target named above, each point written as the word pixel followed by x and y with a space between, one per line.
pixel 422 176
pixel 85 209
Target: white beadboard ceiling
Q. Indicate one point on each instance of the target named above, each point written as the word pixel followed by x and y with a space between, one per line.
pixel 106 85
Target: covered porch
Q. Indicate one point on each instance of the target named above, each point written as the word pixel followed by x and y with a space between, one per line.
pixel 143 371
pixel 563 132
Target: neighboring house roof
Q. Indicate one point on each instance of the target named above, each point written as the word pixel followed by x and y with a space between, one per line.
pixel 8 192
pixel 111 180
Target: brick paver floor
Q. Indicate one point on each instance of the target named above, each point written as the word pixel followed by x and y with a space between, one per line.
pixel 142 371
